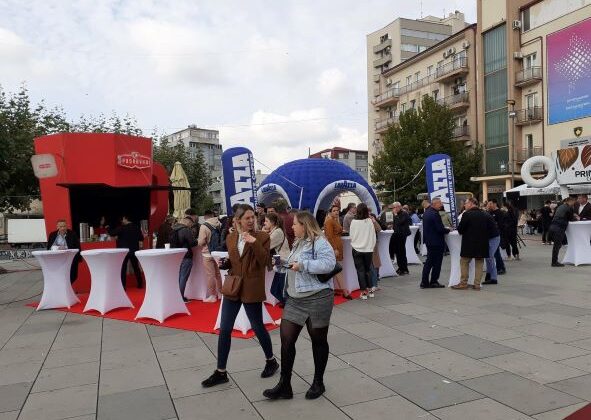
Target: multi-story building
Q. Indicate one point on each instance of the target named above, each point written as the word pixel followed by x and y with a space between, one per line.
pixel 534 82
pixel 397 43
pixel 354 159
pixel 208 142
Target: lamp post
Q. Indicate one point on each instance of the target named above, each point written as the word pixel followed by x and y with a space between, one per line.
pixel 512 115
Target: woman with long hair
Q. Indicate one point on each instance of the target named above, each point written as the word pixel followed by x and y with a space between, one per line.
pixel 363 241
pixel 248 255
pixel 309 302
pixel 273 225
pixel 333 231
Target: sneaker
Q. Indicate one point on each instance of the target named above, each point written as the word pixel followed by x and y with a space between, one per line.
pixel 372 294
pixel 271 367
pixel 216 378
pixel 210 299
pixel 436 285
pixel 348 297
pixel 363 296
pixel 424 286
pixel 490 281
pixel 557 264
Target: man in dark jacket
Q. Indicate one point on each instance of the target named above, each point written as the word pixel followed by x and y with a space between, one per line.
pixel 563 214
pixel 164 232
pixel 64 238
pixel 498 216
pixel 583 207
pixel 473 229
pixel 401 225
pixel 129 235
pixel 182 237
pixel 546 219
pixel 434 238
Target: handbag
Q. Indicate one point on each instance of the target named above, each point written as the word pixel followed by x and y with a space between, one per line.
pixel 232 286
pixel 325 277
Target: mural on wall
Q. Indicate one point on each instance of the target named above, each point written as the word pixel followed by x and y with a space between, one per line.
pixel 569 73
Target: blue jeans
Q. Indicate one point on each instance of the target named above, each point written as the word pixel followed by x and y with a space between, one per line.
pixel 491 267
pixel 184 273
pixel 373 274
pixel 254 312
pixel 499 259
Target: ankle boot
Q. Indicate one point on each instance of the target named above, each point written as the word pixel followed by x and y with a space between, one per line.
pixel 281 391
pixel 316 390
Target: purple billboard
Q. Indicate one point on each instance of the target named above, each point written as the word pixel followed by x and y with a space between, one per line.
pixel 569 73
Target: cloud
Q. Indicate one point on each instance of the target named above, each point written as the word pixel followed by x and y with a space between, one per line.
pixel 331 82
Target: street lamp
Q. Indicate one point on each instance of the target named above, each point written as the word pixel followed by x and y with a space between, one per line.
pixel 512 115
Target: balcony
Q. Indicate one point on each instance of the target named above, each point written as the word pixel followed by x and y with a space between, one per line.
pixel 451 70
pixel 461 133
pixel 529 116
pixel 521 155
pixel 528 76
pixel 383 125
pixel 457 102
pixel 377 48
pixel 389 97
pixel 383 60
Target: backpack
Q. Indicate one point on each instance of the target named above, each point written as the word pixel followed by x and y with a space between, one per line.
pixel 175 241
pixel 215 242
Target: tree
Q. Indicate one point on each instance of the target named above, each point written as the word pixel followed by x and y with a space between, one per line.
pixel 419 134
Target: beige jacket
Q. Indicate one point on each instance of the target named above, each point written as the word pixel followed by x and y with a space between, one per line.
pixel 205 235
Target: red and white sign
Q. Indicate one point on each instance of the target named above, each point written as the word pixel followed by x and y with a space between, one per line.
pixel 134 160
pixel 44 165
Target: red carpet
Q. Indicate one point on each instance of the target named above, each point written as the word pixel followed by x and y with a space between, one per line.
pixel 202 318
pixel 582 414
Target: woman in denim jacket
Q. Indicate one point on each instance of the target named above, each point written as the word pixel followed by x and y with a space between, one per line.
pixel 308 302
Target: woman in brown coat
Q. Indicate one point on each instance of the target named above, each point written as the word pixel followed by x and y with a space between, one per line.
pixel 333 231
pixel 248 254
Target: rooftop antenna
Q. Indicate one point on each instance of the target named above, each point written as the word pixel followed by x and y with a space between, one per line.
pixel 421 1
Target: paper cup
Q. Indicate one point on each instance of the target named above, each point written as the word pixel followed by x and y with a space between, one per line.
pixel 277 260
pixel 55 248
pixel 166 246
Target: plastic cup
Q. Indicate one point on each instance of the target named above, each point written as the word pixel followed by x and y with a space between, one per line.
pixel 166 246
pixel 277 260
pixel 55 248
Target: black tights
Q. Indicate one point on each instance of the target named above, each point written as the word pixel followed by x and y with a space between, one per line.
pixel 289 335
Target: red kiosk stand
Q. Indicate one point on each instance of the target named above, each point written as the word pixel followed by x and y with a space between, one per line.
pixel 102 175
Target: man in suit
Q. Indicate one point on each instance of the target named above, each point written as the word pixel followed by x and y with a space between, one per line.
pixel 562 216
pixel 583 207
pixel 434 238
pixel 65 238
pixel 129 235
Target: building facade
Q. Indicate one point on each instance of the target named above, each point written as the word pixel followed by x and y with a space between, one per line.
pixel 208 142
pixel 354 159
pixel 534 82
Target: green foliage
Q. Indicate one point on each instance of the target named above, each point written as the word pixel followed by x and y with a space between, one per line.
pixel 421 133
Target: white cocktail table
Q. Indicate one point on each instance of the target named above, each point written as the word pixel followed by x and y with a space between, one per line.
pixel 197 283
pixel 163 294
pixel 57 290
pixel 411 254
pixel 454 244
pixel 387 268
pixel 350 281
pixel 578 250
pixel 269 276
pixel 106 290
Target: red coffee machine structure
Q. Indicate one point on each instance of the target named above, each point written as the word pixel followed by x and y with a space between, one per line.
pixel 98 174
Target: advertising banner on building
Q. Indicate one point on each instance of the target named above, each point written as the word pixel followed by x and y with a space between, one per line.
pixel 239 177
pixel 441 184
pixel 573 165
pixel 569 73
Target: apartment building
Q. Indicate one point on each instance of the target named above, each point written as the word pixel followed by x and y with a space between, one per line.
pixel 354 159
pixel 396 43
pixel 208 141
pixel 534 82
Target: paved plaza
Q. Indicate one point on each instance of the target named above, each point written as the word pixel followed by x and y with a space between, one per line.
pixel 517 350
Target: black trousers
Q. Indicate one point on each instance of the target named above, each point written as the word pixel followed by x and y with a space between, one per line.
pixel 512 248
pixel 362 261
pixel 398 250
pixel 74 268
pixel 545 229
pixel 135 264
pixel 556 235
pixel 433 264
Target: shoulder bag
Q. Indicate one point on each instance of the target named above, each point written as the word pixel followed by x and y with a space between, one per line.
pixel 325 277
pixel 232 285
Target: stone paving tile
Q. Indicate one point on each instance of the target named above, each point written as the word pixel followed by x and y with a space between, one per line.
pixel 60 404
pixel 185 357
pixel 175 341
pixel 427 330
pixel 515 310
pixel 557 320
pixel 80 339
pixel 19 372
pixel 544 348
pixel 560 309
pixel 227 404
pixel 67 377
pixel 146 404
pixel 13 396
pixel 393 319
pixel 387 409
pixel 341 317
pixel 252 385
pixel 211 341
pixel 36 340
pixel 557 334
pixel 122 358
pixel 471 346
pixel 502 320
pixel 484 409
pixel 521 394
pixel 405 345
pixel 348 343
pixel 429 390
pixel 453 365
pixel 299 408
pixel 489 332
pixel 370 329
pixel 304 363
pixel 343 387
pixel 561 413
pixel 186 382
pixel 412 309
pixel 583 344
pixel 12 415
pixel 72 356
pixel 364 308
pixel 444 320
pixel 12 356
pixel 379 363
pixel 114 381
pixel 581 362
pixel 579 386
pixel 248 359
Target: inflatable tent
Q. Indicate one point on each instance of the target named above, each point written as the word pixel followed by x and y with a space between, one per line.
pixel 313 184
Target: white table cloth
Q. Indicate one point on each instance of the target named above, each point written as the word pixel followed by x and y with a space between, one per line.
pixel 57 290
pixel 411 255
pixel 163 295
pixel 423 246
pixel 197 283
pixel 454 243
pixel 106 290
pixel 578 250
pixel 271 300
pixel 350 281
pixel 387 268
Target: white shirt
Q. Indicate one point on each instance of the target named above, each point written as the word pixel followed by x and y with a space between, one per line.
pixel 241 244
pixel 363 235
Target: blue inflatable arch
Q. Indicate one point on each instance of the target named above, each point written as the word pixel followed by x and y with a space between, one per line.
pixel 312 184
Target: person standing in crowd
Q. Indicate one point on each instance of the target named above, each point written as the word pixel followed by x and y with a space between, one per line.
pixel 564 213
pixel 248 257
pixel 510 217
pixel 434 233
pixel 278 239
pixel 416 220
pixel 497 215
pixel 210 239
pixel 102 228
pixel 129 235
pixel 363 241
pixel 280 205
pixel 494 239
pixel 376 262
pixel 546 220
pixel 320 218
pixel 473 229
pixel 583 207
pixel 65 238
pixel 192 214
pixel 182 237
pixel 309 302
pixel 333 231
pixel 349 216
pixel 398 239
pixel 387 219
pixel 261 212
pixel 164 232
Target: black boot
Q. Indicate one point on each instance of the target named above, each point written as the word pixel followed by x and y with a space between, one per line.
pixel 316 390
pixel 216 378
pixel 271 367
pixel 281 391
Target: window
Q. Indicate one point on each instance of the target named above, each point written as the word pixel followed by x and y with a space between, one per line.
pixel 525 20
pixel 529 141
pixel 409 48
pixel 531 100
pixel 413 104
pixel 529 61
pixel 429 70
pixel 423 34
pixel 417 76
pixel 402 107
pixel 396 85
pixel 343 155
pixel 422 48
pixel 408 80
pixel 436 94
pixel 383 38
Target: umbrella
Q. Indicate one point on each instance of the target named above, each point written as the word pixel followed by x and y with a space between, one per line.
pixel 182 198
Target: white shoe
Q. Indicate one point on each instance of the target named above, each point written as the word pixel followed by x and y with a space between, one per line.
pixel 211 299
pixel 372 294
pixel 363 296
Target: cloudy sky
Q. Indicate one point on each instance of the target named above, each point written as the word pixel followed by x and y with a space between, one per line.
pixel 276 76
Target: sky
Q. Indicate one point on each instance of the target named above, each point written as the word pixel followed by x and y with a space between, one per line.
pixel 279 77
